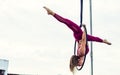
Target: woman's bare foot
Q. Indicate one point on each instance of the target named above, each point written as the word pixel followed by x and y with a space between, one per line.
pixel 105 41
pixel 50 12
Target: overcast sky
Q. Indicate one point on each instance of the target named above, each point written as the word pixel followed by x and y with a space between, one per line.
pixel 36 43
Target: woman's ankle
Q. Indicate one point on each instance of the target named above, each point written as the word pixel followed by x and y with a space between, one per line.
pixel 50 12
pixel 105 41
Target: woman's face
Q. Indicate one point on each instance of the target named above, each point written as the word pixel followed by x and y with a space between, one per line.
pixel 80 61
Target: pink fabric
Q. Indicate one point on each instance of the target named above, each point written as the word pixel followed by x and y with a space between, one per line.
pixel 77 31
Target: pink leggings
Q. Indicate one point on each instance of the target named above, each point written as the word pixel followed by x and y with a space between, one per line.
pixel 77 32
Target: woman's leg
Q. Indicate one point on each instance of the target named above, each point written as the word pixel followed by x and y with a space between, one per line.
pixel 74 27
pixel 97 39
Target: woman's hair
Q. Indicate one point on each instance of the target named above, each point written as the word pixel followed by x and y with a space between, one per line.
pixel 73 62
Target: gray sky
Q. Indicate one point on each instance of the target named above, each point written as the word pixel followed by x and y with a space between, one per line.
pixel 35 43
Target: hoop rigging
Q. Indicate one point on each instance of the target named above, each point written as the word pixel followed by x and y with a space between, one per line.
pixel 81 19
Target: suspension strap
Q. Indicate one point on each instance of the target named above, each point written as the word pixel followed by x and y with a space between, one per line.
pixel 81 12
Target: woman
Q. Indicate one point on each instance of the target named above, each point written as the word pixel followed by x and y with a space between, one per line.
pixel 79 36
pixel 77 60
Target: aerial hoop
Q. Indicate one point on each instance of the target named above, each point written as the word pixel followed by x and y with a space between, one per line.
pixel 75 51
